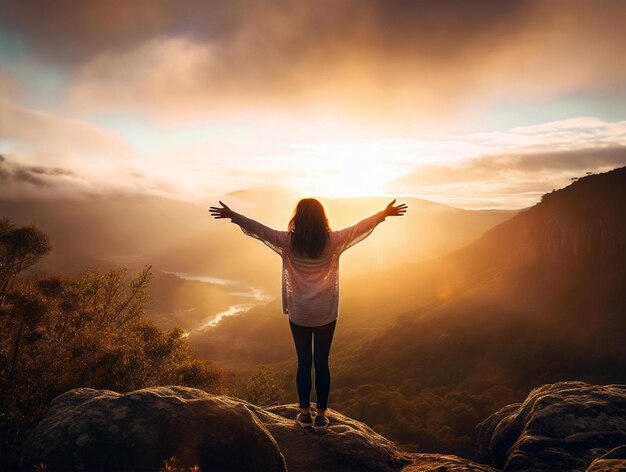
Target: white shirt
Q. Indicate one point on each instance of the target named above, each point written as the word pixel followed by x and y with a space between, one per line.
pixel 310 287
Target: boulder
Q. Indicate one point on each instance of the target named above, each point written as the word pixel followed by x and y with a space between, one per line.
pixel 612 461
pixel 559 427
pixel 443 463
pixel 349 446
pixel 485 450
pixel 100 430
pixel 87 429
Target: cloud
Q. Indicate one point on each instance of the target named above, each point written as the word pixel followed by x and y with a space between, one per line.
pixel 76 31
pixel 50 156
pixel 54 135
pixel 8 84
pixel 511 180
pixel 18 180
pixel 161 75
pixel 36 176
pixel 499 166
pixel 371 58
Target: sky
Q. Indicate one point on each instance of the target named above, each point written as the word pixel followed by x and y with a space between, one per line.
pixel 475 104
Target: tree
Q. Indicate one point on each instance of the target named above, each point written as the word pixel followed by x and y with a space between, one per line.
pixel 263 388
pixel 28 307
pixel 20 248
pixel 58 333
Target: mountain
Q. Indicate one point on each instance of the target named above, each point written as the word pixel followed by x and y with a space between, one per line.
pixel 557 269
pixel 540 298
pixel 564 257
pixel 205 266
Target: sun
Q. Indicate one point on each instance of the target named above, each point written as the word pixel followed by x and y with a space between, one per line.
pixel 339 171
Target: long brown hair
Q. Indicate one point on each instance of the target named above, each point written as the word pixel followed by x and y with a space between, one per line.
pixel 309 228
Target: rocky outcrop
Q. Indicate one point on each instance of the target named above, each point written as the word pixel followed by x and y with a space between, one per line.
pixel 559 427
pixel 86 429
pixel 612 461
pixel 486 449
pixel 349 445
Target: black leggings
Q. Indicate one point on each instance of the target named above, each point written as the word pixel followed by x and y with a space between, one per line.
pixel 322 338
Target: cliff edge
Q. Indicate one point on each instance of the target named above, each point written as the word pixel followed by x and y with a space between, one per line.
pixel 86 429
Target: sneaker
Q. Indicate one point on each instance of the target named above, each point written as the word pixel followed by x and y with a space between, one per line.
pixel 321 423
pixel 304 420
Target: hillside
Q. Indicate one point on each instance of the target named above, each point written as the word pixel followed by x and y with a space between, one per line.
pixel 540 298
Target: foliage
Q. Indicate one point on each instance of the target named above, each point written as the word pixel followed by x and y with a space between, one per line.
pixel 173 465
pixel 20 248
pixel 59 333
pixel 262 388
pixel 439 419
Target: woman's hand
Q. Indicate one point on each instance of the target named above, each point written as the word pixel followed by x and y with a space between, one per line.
pixel 223 212
pixel 398 210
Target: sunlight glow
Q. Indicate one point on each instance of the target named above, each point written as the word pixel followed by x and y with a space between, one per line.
pixel 335 171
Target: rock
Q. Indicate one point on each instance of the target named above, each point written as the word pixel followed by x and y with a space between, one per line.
pixel 612 461
pixel 442 463
pixel 485 450
pixel 87 429
pixel 559 427
pixel 348 446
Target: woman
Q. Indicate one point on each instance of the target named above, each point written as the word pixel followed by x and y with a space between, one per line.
pixel 310 287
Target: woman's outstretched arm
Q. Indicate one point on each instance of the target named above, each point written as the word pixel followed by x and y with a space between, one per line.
pixel 397 210
pixel 272 238
pixel 348 237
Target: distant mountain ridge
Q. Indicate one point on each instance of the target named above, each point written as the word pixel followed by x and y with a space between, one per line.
pixel 180 237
